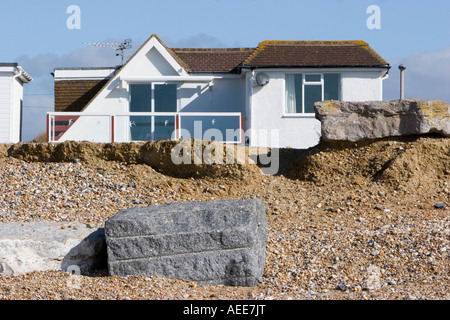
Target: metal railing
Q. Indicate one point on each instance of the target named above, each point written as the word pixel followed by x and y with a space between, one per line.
pixel 144 126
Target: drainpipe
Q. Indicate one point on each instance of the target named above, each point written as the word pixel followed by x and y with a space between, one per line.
pixel 250 109
pixel 402 91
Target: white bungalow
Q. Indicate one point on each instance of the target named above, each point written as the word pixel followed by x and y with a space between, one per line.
pixel 12 78
pixel 260 96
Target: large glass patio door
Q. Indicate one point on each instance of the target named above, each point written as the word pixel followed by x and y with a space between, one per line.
pixel 154 97
pixel 140 101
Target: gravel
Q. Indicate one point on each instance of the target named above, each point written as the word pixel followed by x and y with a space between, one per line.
pixel 357 250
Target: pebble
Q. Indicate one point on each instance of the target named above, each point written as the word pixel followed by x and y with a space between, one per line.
pixel 440 205
pixel 341 287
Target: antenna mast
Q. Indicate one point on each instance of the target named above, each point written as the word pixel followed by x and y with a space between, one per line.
pixel 118 46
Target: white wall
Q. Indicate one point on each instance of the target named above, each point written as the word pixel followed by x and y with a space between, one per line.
pixel 361 86
pixel 300 131
pixel 98 128
pixel 268 125
pixel 11 93
pixel 5 107
pixel 154 65
pixel 225 95
pixel 16 110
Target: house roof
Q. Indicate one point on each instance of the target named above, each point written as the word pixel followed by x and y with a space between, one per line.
pixel 314 54
pixel 74 95
pixel 286 54
pixel 212 60
pixel 16 69
pixel 8 64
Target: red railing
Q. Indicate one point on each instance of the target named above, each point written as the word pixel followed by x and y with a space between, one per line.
pixel 60 123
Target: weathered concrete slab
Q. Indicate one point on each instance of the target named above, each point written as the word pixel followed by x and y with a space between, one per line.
pixel 355 121
pixel 45 245
pixel 220 242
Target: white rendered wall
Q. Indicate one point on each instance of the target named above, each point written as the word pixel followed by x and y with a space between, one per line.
pixel 362 86
pixel 270 127
pixel 98 128
pixel 225 95
pixel 153 65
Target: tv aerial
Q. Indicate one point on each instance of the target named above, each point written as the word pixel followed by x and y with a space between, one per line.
pixel 118 46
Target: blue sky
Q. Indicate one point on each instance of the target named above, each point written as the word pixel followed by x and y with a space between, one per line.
pixel 35 34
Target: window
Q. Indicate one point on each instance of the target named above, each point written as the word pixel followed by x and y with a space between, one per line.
pixel 152 98
pixel 303 90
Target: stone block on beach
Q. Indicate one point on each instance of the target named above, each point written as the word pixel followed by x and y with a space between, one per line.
pixel 355 121
pixel 220 242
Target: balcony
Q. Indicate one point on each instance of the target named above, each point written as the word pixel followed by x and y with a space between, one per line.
pixel 224 127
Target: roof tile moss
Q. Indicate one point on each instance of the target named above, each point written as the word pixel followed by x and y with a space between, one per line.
pixel 355 53
pixel 212 59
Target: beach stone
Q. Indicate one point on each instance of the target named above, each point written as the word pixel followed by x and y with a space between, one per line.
pixel 221 242
pixel 440 205
pixel 355 121
pixel 45 245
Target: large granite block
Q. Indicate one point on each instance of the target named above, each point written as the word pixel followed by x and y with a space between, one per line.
pixel 220 242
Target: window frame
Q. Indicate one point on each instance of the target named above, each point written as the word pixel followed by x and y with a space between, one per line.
pixel 304 114
pixel 152 85
pixel 152 102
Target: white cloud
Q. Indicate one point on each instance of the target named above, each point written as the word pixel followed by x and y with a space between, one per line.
pixel 427 76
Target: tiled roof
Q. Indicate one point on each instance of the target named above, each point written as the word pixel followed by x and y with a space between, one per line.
pixel 288 54
pixel 314 54
pixel 73 95
pixel 212 60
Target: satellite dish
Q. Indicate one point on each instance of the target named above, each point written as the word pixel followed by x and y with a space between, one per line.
pixel 262 79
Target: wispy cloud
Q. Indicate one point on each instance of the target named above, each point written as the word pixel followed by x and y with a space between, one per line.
pixel 201 40
pixel 427 76
pixel 39 94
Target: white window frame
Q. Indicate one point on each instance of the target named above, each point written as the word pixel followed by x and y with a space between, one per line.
pixel 311 83
pixel 304 114
pixel 152 102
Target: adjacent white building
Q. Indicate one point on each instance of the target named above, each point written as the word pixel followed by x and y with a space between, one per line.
pixel 12 78
pixel 260 96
